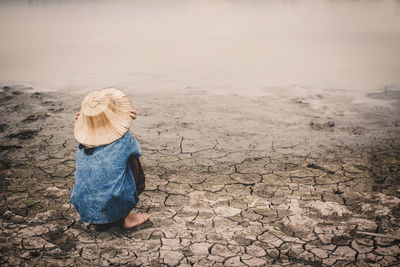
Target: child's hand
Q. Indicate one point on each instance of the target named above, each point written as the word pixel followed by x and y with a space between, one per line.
pixel 133 113
pixel 77 115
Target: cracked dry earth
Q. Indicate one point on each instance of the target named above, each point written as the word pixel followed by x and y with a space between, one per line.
pixel 295 180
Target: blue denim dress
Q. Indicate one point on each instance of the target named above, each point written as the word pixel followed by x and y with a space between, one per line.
pixel 104 189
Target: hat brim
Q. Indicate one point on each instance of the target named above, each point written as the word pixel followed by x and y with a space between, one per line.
pixel 107 127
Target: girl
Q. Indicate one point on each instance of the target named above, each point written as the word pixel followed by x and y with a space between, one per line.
pixel 104 189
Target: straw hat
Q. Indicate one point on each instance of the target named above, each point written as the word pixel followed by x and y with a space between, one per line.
pixel 104 117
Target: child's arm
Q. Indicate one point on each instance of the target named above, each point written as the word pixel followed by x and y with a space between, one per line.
pixel 133 134
pixel 133 145
pixel 133 113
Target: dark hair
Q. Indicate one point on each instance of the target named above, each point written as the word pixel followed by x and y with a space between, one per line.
pixel 88 151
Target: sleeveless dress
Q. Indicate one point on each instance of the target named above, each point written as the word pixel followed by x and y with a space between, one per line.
pixel 104 189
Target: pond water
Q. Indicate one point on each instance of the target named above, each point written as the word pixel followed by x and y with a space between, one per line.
pixel 218 46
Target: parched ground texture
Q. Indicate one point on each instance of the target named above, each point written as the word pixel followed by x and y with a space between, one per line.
pixel 231 181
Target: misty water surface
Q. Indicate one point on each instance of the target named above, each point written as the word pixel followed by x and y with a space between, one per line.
pixel 229 46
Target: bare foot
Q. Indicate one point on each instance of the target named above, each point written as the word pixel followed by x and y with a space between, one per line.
pixel 135 219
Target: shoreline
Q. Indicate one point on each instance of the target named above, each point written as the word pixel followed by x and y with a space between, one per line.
pixel 231 180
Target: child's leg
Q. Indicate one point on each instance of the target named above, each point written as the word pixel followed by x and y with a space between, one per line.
pixel 135 219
